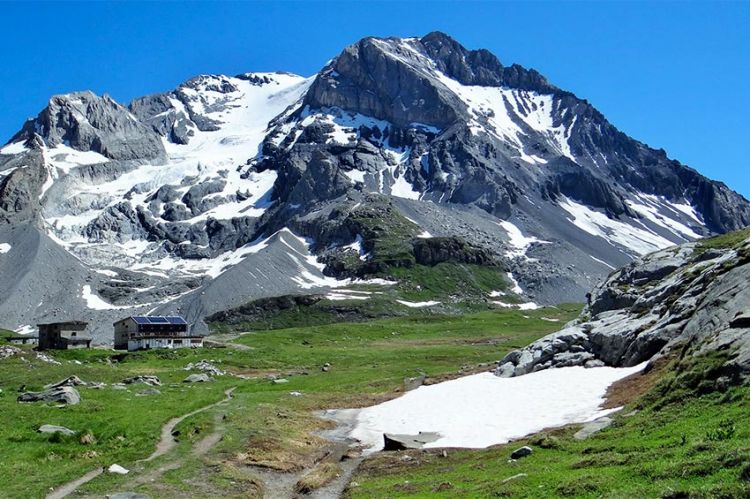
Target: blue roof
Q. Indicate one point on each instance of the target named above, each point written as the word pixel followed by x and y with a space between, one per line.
pixel 159 319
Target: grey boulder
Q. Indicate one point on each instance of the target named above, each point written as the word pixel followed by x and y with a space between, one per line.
pixel 48 428
pixel 61 395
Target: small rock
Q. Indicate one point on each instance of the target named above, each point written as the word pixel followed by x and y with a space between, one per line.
pixel 514 477
pixel 206 367
pixel 127 495
pixel 505 370
pixel 147 392
pixel 594 363
pixel 46 358
pixel 521 452
pixel 7 351
pixel 71 381
pixel 295 394
pixel 414 383
pixel 280 381
pixel 87 439
pixel 145 379
pixel 593 427
pixel 119 386
pixel 393 442
pixel 117 469
pixel 48 428
pixel 197 378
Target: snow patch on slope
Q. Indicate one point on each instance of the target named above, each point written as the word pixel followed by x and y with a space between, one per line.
pixel 94 301
pixel 615 232
pixel 650 208
pixel 504 108
pixel 358 246
pixel 418 304
pixel 518 242
pixel 14 148
pixel 483 410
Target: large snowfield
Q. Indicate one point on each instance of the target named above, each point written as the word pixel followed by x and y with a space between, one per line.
pixel 483 409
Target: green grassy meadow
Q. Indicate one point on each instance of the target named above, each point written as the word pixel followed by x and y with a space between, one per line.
pixel 264 425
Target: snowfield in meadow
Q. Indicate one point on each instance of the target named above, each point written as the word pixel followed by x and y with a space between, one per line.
pixel 483 410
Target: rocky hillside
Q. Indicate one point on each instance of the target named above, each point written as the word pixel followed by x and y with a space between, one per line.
pixel 301 185
pixel 682 301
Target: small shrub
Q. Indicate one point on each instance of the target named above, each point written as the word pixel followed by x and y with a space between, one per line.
pixel 745 473
pixel 580 486
pixel 725 431
pixel 545 441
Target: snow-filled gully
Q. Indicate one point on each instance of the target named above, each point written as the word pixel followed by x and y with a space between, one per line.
pixel 483 409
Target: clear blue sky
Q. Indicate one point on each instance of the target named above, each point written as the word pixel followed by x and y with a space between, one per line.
pixel 671 74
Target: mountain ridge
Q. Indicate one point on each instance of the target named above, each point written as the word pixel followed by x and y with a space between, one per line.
pixel 161 191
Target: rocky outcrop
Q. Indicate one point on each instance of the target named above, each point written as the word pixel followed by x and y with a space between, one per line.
pixel 61 395
pixel 262 308
pixel 692 297
pixel 434 250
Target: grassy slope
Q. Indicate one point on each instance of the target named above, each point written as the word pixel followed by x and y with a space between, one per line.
pixel 389 238
pixel 123 424
pixel 265 425
pixel 460 288
pixel 651 454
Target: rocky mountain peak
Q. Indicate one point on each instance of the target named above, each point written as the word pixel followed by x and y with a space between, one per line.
pixel 85 121
pixel 385 78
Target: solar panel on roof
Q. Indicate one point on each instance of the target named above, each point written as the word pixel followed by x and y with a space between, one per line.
pixel 176 320
pixel 140 320
pixel 157 319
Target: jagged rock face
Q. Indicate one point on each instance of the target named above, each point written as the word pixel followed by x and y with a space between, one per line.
pixel 686 297
pixel 87 122
pixel 177 188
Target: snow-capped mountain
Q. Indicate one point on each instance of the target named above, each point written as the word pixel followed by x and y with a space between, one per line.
pixel 230 189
